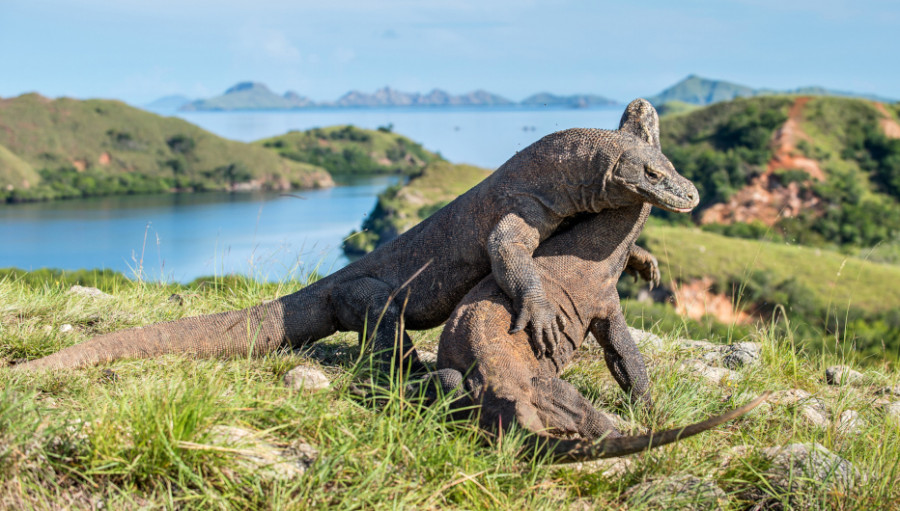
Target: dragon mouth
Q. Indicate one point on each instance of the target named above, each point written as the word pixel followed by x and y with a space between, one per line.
pixel 669 202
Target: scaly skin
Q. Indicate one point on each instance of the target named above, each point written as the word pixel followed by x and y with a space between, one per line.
pixel 415 281
pixel 499 373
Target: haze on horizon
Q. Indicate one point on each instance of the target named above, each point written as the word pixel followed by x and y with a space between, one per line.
pixel 137 52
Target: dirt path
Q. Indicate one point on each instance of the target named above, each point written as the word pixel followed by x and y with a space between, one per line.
pixel 765 199
pixel 888 125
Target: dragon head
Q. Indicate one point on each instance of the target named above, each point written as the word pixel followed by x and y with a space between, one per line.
pixel 643 170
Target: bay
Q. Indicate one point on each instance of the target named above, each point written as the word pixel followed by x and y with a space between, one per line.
pixel 266 235
pixel 179 237
pixel 480 136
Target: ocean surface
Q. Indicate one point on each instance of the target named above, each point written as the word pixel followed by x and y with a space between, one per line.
pixel 481 136
pixel 267 235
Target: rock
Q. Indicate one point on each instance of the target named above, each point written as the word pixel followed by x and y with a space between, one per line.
pixel 728 456
pixel 620 423
pixel 812 415
pixel 176 299
pixel 892 411
pixel 789 397
pixel 427 357
pixel 262 458
pixel 732 356
pixel 811 409
pixel 682 492
pixel 611 468
pixel 888 391
pixel 91 292
pixel 65 328
pixel 645 339
pixel 740 354
pixel 842 375
pixel 849 422
pixel 806 472
pixel 306 378
pixel 711 374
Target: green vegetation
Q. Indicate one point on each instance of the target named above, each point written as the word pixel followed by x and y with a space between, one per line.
pixel 833 301
pixel 401 207
pixel 722 146
pixel 68 148
pixel 142 434
pixel 352 150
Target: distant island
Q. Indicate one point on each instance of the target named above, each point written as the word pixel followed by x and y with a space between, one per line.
pixel 690 92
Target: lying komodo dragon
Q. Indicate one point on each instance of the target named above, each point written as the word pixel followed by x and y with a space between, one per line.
pixel 417 279
pixel 498 372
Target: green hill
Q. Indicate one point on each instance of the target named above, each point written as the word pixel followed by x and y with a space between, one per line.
pixel 351 150
pixel 702 91
pixel 248 96
pixel 99 147
pixel 815 170
pixel 401 207
pixel 697 90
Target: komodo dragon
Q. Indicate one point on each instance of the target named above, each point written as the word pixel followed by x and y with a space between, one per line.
pixel 489 368
pixel 415 281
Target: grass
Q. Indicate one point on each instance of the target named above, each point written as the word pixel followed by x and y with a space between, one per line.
pixel 127 435
pixel 104 138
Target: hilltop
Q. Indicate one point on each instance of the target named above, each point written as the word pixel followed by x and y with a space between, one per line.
pixel 67 147
pixel 249 96
pixel 696 90
pixel 351 150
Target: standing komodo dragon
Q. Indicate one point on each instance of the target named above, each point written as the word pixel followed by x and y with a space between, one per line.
pixel 496 371
pixel 494 227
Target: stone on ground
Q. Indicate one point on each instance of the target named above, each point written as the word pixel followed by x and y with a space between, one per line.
pixel 262 458
pixel 842 375
pixel 679 492
pixel 713 375
pixel 91 292
pixel 306 378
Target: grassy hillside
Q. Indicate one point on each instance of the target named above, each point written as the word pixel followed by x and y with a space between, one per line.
pixel 401 207
pixel 818 170
pixel 99 147
pixel 352 150
pixel 149 434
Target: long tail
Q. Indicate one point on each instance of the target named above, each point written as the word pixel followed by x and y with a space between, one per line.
pixel 570 451
pixel 252 331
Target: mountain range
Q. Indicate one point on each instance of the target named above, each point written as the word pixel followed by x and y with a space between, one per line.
pixel 692 90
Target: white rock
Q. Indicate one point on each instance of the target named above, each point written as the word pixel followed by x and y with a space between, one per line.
pixel 677 492
pixel 645 339
pixel 262 458
pixel 849 422
pixel 306 378
pixel 91 292
pixel 65 328
pixel 893 411
pixel 813 416
pixel 427 357
pixel 711 374
pixel 842 375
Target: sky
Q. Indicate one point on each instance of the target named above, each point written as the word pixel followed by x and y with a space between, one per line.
pixel 140 50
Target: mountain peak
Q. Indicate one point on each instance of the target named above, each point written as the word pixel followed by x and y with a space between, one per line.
pixel 248 86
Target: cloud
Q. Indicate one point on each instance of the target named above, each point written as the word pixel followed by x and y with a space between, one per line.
pixel 267 42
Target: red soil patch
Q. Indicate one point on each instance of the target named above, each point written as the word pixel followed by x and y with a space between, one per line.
pixel 766 199
pixel 888 125
pixel 695 299
pixel 104 159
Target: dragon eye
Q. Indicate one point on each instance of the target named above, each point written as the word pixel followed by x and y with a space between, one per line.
pixel 653 175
